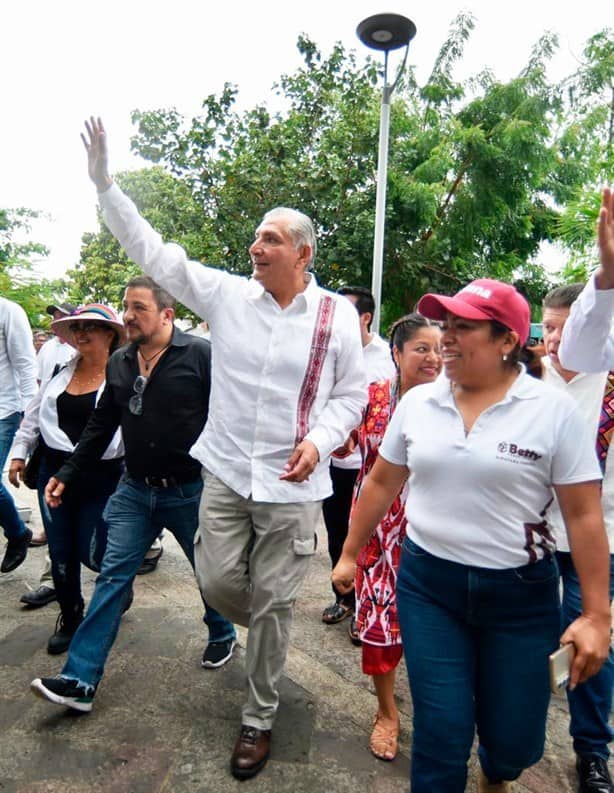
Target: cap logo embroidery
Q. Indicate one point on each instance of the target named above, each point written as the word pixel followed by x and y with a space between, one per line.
pixel 478 290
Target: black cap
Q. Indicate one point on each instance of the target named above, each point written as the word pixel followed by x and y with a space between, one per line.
pixel 63 308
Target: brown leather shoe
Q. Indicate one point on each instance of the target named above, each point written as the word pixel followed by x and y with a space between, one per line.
pixel 251 752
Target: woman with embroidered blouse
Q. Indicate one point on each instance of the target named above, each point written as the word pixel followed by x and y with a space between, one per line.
pixel 414 343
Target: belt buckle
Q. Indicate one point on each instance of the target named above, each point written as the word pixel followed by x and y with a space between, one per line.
pixel 157 481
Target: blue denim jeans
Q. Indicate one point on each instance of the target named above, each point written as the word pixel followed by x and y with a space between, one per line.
pixel 135 516
pixel 76 531
pixel 589 703
pixel 13 525
pixel 476 643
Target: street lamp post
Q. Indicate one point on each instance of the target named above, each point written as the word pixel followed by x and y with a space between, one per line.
pixel 384 32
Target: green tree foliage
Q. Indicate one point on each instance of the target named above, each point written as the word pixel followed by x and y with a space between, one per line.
pixel 586 148
pixel 17 252
pixel 169 206
pixel 479 171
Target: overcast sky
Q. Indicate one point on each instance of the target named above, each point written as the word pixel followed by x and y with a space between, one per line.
pixel 62 61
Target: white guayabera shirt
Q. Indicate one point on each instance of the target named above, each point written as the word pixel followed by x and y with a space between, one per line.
pixel 261 403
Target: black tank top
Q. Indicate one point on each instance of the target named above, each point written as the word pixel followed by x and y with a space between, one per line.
pixel 74 411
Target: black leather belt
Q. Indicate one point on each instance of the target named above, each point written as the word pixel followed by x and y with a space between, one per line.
pixel 166 481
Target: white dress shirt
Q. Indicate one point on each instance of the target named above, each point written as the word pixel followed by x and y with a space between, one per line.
pixel 41 417
pixel 51 353
pixel 17 359
pixel 587 343
pixel 260 355
pixel 587 392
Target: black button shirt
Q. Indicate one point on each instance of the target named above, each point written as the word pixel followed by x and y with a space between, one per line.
pixel 175 404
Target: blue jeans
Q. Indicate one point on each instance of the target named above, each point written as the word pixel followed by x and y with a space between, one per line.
pixel 589 703
pixel 135 516
pixel 76 531
pixel 13 525
pixel 476 643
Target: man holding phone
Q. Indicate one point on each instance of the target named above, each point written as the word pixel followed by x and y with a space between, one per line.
pixel 590 702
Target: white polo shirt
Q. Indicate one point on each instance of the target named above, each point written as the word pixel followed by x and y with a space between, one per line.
pixel 264 395
pixel 587 392
pixel 480 499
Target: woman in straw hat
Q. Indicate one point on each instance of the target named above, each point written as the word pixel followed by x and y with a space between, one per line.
pixel 55 419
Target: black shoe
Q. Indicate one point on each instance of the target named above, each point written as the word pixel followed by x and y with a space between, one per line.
pixel 39 597
pixel 129 600
pixel 148 565
pixel 353 633
pixel 16 552
pixel 218 653
pixel 64 692
pixel 593 774
pixel 337 612
pixel 65 629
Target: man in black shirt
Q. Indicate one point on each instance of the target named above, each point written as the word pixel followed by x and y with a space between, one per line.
pixel 157 390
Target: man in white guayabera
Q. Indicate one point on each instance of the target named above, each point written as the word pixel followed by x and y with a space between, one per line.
pixel 287 388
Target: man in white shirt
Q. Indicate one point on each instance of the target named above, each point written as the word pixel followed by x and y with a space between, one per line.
pixel 287 388
pixel 587 344
pixel 591 702
pixel 345 463
pixel 55 350
pixel 17 387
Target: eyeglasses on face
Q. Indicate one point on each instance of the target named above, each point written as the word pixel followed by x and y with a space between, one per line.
pixel 135 404
pixel 85 327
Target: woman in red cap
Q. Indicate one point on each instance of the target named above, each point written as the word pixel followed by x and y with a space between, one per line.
pixel 477 590
pixel 55 419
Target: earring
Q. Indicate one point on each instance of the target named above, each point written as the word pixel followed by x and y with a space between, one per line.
pixel 504 356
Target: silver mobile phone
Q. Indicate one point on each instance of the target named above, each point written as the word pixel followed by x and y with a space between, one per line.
pixel 560 667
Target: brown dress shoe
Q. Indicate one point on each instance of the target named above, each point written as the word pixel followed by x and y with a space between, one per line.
pixel 251 752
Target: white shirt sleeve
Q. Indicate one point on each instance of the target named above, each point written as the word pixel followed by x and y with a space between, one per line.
pixel 29 431
pixel 196 286
pixel 394 445
pixel 587 343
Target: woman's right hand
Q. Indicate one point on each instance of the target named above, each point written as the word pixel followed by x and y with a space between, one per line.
pixel 16 469
pixel 591 636
pixel 343 575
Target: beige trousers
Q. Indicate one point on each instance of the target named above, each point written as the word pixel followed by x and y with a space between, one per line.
pixel 250 560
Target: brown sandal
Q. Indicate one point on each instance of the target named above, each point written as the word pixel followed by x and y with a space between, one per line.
pixel 384 743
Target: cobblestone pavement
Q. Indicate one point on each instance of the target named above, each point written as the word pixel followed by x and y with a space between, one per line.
pixel 162 724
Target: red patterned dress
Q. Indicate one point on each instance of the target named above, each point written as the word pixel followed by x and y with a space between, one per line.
pixel 378 562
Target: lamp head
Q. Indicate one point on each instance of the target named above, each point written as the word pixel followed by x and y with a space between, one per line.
pixel 386 32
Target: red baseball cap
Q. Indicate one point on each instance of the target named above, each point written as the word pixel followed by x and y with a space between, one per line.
pixel 484 298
